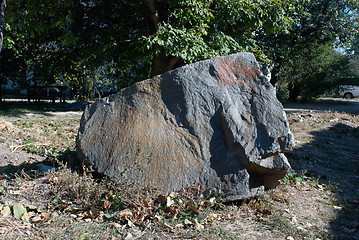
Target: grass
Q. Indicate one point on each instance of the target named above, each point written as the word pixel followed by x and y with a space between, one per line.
pixel 47 138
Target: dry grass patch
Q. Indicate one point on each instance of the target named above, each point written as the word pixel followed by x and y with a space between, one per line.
pixel 69 203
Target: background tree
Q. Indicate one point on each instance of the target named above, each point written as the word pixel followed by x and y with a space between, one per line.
pixel 311 72
pixel 2 29
pixel 187 31
pixel 73 38
pixel 35 31
pixel 322 24
pixel 142 38
pixel 353 53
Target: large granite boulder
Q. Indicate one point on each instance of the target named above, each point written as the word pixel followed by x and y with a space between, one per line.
pixel 217 122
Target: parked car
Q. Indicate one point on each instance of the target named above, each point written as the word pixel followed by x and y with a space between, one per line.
pixel 349 91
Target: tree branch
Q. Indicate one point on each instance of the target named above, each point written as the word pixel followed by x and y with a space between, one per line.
pixel 2 21
pixel 154 14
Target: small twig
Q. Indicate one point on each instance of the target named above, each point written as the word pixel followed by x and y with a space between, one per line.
pixel 20 146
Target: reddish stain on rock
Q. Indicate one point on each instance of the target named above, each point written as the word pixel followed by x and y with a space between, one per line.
pixel 236 73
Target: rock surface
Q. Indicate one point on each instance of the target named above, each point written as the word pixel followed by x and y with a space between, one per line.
pixel 217 122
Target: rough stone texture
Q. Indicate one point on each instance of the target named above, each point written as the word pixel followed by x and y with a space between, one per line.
pixel 217 122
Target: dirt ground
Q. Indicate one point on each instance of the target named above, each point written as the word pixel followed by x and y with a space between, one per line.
pixel 319 199
pixel 327 148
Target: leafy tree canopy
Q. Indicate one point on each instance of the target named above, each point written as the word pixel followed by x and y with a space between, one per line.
pixel 141 38
pixel 322 26
pixel 161 34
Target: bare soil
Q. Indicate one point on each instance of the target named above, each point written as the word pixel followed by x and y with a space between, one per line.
pixel 319 199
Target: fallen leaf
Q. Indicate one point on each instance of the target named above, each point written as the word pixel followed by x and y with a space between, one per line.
pixel 6 211
pixel 130 224
pixel 166 225
pixel 45 216
pixel 188 222
pixel 25 216
pixel 192 207
pixel 31 214
pixel 15 192
pixel 100 217
pixel 147 216
pixel 162 199
pixel 107 204
pixel 36 219
pixel 72 209
pixel 213 216
pixel 124 214
pixel 54 215
pixel 169 201
pixel 211 202
pixel 180 225
pixel 128 236
pixel 173 194
pixel 116 225
pixel 158 218
pixel 174 210
pixel 19 211
pixel 199 227
pixel 92 213
pixel 146 204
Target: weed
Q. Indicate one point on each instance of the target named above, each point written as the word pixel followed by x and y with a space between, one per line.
pixel 69 157
pixel 332 187
pixel 293 177
pixel 261 205
pixel 3 187
pixel 75 188
pixel 277 221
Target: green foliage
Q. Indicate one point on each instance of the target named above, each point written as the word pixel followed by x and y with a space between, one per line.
pixel 311 72
pixel 293 177
pixel 299 63
pixel 190 34
pixel 198 30
pixel 102 46
pixel 74 41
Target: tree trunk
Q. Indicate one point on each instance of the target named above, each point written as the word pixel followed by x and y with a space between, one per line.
pixel 1 81
pixel 294 91
pixel 83 87
pixel 162 63
pixel 274 78
pixel 2 21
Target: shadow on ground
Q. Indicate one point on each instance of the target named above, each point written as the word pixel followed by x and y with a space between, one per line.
pixel 37 169
pixel 333 158
pixel 20 108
